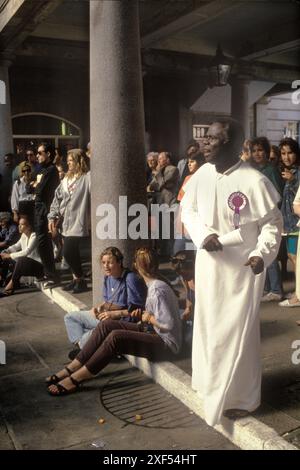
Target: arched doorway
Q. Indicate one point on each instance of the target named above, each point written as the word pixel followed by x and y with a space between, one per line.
pixel 32 128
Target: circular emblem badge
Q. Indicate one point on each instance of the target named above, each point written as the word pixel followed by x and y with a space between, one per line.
pixel 237 201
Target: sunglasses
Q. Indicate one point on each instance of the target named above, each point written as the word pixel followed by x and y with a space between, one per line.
pixel 26 171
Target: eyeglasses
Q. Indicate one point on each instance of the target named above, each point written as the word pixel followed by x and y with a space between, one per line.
pixel 40 152
pixel 30 154
pixel 26 171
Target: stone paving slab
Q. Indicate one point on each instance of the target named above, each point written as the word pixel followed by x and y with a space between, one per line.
pixel 30 418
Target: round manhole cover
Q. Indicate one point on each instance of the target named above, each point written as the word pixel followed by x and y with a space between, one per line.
pixel 136 399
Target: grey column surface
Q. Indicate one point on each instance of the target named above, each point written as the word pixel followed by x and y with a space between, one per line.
pixel 240 103
pixel 262 117
pixel 118 166
pixel 6 141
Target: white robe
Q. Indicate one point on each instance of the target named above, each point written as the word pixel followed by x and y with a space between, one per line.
pixel 226 340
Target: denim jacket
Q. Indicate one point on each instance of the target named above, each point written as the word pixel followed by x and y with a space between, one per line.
pixel 290 189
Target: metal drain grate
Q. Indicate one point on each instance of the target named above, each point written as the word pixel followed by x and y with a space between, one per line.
pixel 130 394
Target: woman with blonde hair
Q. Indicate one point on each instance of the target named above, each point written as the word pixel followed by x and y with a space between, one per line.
pixel 71 204
pixel 156 337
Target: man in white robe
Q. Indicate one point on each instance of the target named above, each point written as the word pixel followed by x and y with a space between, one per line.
pixel 230 211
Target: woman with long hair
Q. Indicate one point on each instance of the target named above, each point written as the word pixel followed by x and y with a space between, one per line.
pixel 156 337
pixel 290 158
pixel 71 204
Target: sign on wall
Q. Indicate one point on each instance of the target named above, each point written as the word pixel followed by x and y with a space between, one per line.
pixel 199 131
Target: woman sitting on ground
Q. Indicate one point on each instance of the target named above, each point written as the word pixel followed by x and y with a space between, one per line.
pixel 123 293
pixel 25 255
pixel 112 337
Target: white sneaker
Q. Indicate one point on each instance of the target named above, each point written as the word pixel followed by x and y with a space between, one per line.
pixel 286 303
pixel 271 297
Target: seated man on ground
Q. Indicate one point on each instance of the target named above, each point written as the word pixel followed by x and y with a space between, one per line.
pixel 8 231
pixel 123 293
pixel 25 255
pixel 114 337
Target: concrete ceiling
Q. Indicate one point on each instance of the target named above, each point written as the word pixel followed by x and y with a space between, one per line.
pixel 256 31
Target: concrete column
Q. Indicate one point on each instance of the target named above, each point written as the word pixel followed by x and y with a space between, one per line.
pixel 261 117
pixel 240 103
pixel 118 165
pixel 6 141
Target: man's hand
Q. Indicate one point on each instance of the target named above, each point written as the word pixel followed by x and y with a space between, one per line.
pixel 256 263
pixel 5 255
pixel 211 243
pixel 113 315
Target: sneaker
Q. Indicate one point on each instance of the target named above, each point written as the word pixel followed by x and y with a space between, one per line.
pixel 72 354
pixel 80 286
pixel 69 286
pixel 50 283
pixel 271 297
pixel 286 303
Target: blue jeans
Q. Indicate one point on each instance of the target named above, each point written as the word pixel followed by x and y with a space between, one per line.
pixel 273 278
pixel 79 326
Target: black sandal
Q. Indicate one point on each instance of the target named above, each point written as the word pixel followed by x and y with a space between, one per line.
pixel 61 390
pixel 7 292
pixel 53 380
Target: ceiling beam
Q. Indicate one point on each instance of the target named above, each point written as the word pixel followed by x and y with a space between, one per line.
pixel 8 9
pixel 286 39
pixel 24 21
pixel 204 14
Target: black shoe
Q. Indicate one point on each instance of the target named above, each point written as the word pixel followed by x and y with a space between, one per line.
pixel 80 286
pixel 72 354
pixel 69 286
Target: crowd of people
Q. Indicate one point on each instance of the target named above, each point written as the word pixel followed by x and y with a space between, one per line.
pixel 230 198
pixel 49 214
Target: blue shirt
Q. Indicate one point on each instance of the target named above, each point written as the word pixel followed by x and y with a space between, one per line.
pixel 128 291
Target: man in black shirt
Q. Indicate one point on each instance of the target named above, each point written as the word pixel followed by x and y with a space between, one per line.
pixel 46 182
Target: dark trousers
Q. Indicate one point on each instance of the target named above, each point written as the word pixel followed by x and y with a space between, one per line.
pixel 71 254
pixel 44 240
pixel 113 337
pixel 26 267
